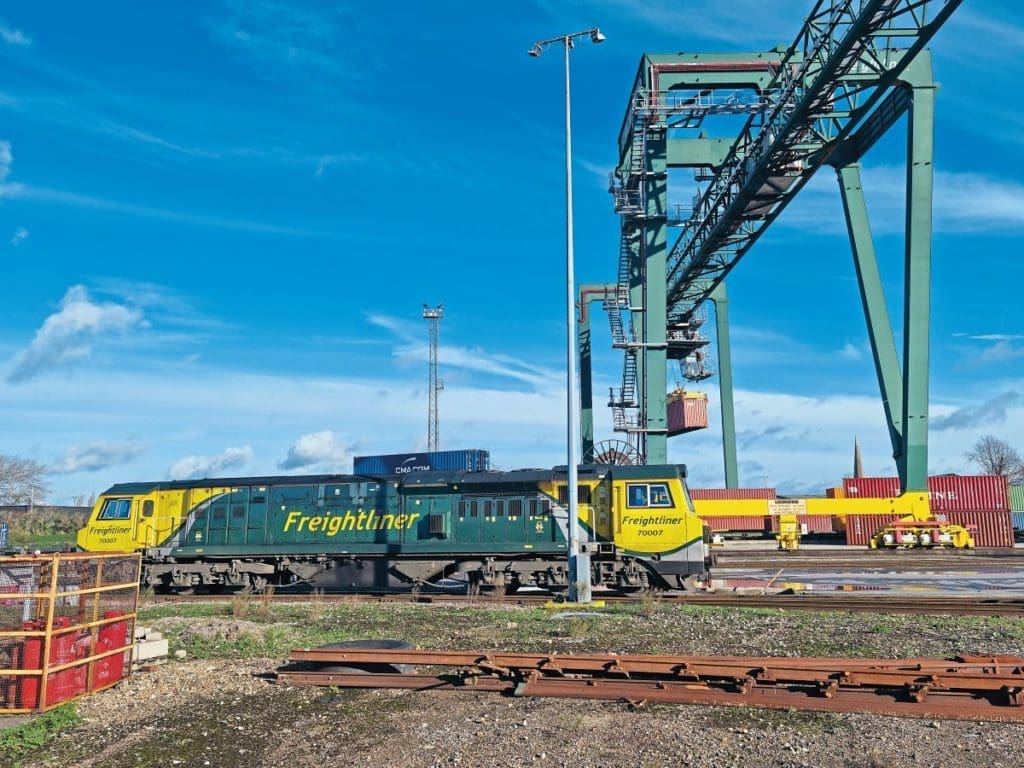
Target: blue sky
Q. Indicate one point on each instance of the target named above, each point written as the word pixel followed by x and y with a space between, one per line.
pixel 219 221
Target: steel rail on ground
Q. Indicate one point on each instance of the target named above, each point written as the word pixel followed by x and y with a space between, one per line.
pixel 964 688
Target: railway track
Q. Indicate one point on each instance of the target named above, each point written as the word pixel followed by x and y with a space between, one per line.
pixel 964 688
pixel 862 602
pixel 873 560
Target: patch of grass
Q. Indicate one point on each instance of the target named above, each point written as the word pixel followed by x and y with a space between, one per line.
pixel 21 741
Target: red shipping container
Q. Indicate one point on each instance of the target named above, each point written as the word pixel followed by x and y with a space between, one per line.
pixel 948 493
pixel 860 528
pixel 989 528
pixel 731 494
pixel 814 523
pixel 736 523
pixel 969 493
pixel 686 412
pixel 871 487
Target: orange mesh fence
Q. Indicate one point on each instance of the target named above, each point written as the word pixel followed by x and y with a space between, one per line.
pixel 67 623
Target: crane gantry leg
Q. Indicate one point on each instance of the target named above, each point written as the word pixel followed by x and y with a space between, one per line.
pixel 904 389
pixel 721 301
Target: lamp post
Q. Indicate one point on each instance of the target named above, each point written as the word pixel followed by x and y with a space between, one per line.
pixel 578 559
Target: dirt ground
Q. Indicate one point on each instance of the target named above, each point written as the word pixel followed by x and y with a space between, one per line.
pixel 228 713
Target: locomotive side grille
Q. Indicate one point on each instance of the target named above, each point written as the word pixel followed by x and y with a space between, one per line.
pixel 436 523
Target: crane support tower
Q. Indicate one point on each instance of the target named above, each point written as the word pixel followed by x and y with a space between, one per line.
pixel 853 70
pixel 433 317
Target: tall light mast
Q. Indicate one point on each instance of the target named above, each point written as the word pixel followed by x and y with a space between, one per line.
pixel 433 318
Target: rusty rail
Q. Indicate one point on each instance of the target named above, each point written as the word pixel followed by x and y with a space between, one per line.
pixel 967 687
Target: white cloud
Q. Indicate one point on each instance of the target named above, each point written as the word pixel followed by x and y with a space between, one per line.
pixel 992 411
pixel 190 467
pixel 67 336
pixel 323 450
pixel 990 336
pixel 16 191
pixel 96 456
pixel 851 352
pixel 963 202
pixel 416 349
pixel 20 235
pixel 14 36
pixel 6 159
pixel 279 38
pixel 737 21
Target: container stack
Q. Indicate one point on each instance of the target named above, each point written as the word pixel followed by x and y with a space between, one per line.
pixel 980 503
pixel 470 460
pixel 729 518
pixel 1017 510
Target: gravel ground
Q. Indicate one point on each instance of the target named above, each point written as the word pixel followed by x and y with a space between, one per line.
pixel 225 712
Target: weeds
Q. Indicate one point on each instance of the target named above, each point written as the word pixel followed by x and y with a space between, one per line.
pixel 19 742
pixel 317 607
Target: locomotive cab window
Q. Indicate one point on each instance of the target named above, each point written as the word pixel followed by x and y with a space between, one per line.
pixel 648 495
pixel 116 509
pixel 147 508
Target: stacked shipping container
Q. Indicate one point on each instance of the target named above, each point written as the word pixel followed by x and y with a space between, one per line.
pixel 731 494
pixel 472 460
pixel 980 503
pixel 948 493
pixel 1017 508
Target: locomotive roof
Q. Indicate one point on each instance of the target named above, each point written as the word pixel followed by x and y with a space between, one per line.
pixel 517 477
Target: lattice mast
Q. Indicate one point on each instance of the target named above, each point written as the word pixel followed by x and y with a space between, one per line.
pixel 433 317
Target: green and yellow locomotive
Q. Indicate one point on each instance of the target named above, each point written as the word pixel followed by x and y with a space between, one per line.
pixel 480 530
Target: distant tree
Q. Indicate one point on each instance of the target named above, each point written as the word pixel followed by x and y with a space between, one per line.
pixel 21 480
pixel 997 457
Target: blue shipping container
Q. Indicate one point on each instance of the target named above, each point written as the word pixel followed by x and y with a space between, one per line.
pixel 1018 521
pixel 473 460
pixel 4 528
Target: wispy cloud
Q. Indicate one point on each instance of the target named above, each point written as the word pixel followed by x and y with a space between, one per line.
pixel 191 467
pixel 989 412
pixel 324 450
pixel 963 202
pixel 13 36
pixel 20 236
pixel 415 349
pixel 6 159
pixel 1002 347
pixel 162 304
pixel 67 336
pixel 1000 352
pixel 284 39
pixel 96 456
pixel 15 191
pixel 990 336
pixel 739 21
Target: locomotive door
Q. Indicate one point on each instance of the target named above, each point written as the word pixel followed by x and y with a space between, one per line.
pixel 467 522
pixel 257 522
pixel 217 515
pixel 238 514
pixel 197 533
pixel 493 520
pixel 540 525
pixel 431 514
